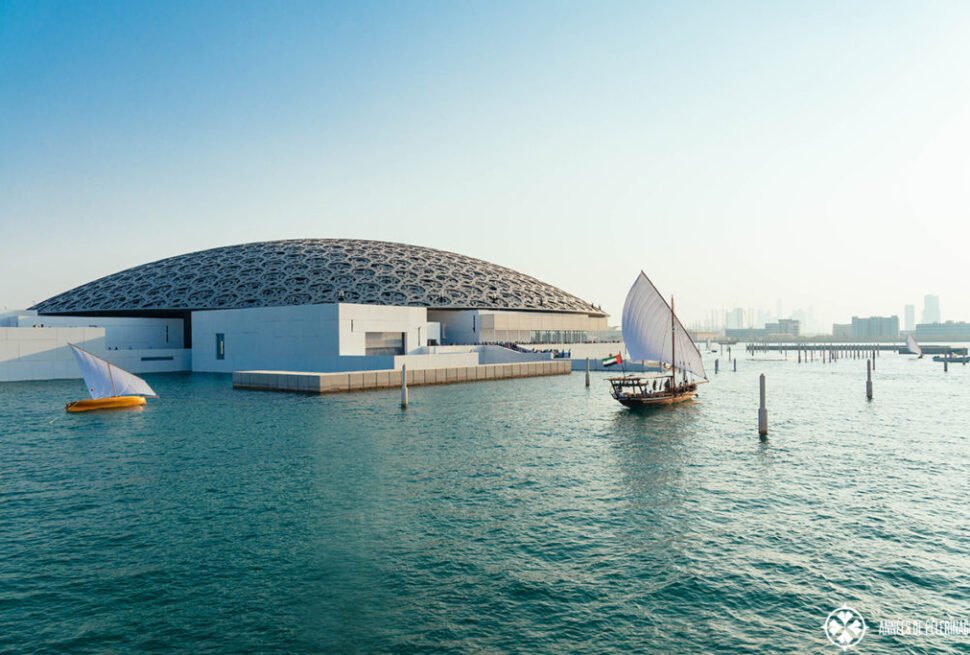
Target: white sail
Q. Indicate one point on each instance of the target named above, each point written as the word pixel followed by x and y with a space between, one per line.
pixel 913 346
pixel 647 330
pixel 105 380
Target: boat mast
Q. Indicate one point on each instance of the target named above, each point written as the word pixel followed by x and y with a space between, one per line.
pixel 673 350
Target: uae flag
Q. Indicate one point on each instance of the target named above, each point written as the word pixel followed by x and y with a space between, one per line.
pixel 610 361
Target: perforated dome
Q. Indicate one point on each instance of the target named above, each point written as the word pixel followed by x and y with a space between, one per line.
pixel 314 271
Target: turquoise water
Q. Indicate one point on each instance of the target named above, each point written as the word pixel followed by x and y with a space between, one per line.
pixel 516 516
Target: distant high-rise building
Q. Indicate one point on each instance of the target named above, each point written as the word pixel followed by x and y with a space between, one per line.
pixel 955 331
pixel 910 318
pixel 806 320
pixel 842 330
pixel 784 326
pixel 875 326
pixel 763 316
pixel 734 319
pixel 931 309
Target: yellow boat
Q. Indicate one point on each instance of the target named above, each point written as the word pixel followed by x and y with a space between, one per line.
pixel 110 387
pixel 113 402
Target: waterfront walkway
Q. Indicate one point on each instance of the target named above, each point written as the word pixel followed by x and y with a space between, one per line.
pixel 305 382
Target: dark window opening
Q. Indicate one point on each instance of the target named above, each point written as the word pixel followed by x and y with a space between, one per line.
pixel 384 343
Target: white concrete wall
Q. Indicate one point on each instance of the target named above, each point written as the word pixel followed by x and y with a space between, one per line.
pixel 483 326
pixel 121 332
pixel 442 360
pixel 500 355
pixel 487 354
pixel 500 325
pixel 9 319
pixel 357 320
pixel 42 353
pixel 457 327
pixel 443 350
pixel 281 338
pixel 318 338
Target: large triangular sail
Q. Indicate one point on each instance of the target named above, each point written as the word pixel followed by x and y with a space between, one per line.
pixel 105 380
pixel 913 346
pixel 647 327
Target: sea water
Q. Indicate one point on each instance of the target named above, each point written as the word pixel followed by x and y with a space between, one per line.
pixel 530 515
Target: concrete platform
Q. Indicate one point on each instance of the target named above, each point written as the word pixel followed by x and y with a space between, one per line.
pixel 305 382
pixel 617 369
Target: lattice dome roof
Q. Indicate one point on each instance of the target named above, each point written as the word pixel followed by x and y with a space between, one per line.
pixel 314 271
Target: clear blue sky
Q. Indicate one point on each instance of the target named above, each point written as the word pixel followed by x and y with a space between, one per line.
pixel 737 152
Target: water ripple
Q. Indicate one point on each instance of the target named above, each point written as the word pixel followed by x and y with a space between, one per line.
pixel 520 516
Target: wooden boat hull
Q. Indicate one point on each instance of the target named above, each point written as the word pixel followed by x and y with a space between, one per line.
pixel 115 402
pixel 636 391
pixel 958 359
pixel 656 401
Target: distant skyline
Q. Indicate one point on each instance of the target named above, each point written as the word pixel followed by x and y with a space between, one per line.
pixel 738 153
pixel 751 317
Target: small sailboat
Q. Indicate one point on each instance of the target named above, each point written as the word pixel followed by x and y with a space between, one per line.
pixel 913 346
pixel 110 387
pixel 652 332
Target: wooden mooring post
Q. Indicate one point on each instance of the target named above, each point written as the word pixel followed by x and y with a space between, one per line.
pixel 869 368
pixel 762 412
pixel 404 386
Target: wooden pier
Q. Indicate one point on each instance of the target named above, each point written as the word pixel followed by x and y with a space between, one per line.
pixel 754 348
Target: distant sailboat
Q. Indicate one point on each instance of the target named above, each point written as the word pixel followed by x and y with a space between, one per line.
pixel 110 387
pixel 652 332
pixel 913 346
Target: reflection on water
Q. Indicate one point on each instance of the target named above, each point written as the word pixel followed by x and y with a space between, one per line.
pixel 528 515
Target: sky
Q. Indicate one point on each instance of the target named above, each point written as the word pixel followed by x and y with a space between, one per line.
pixel 740 153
